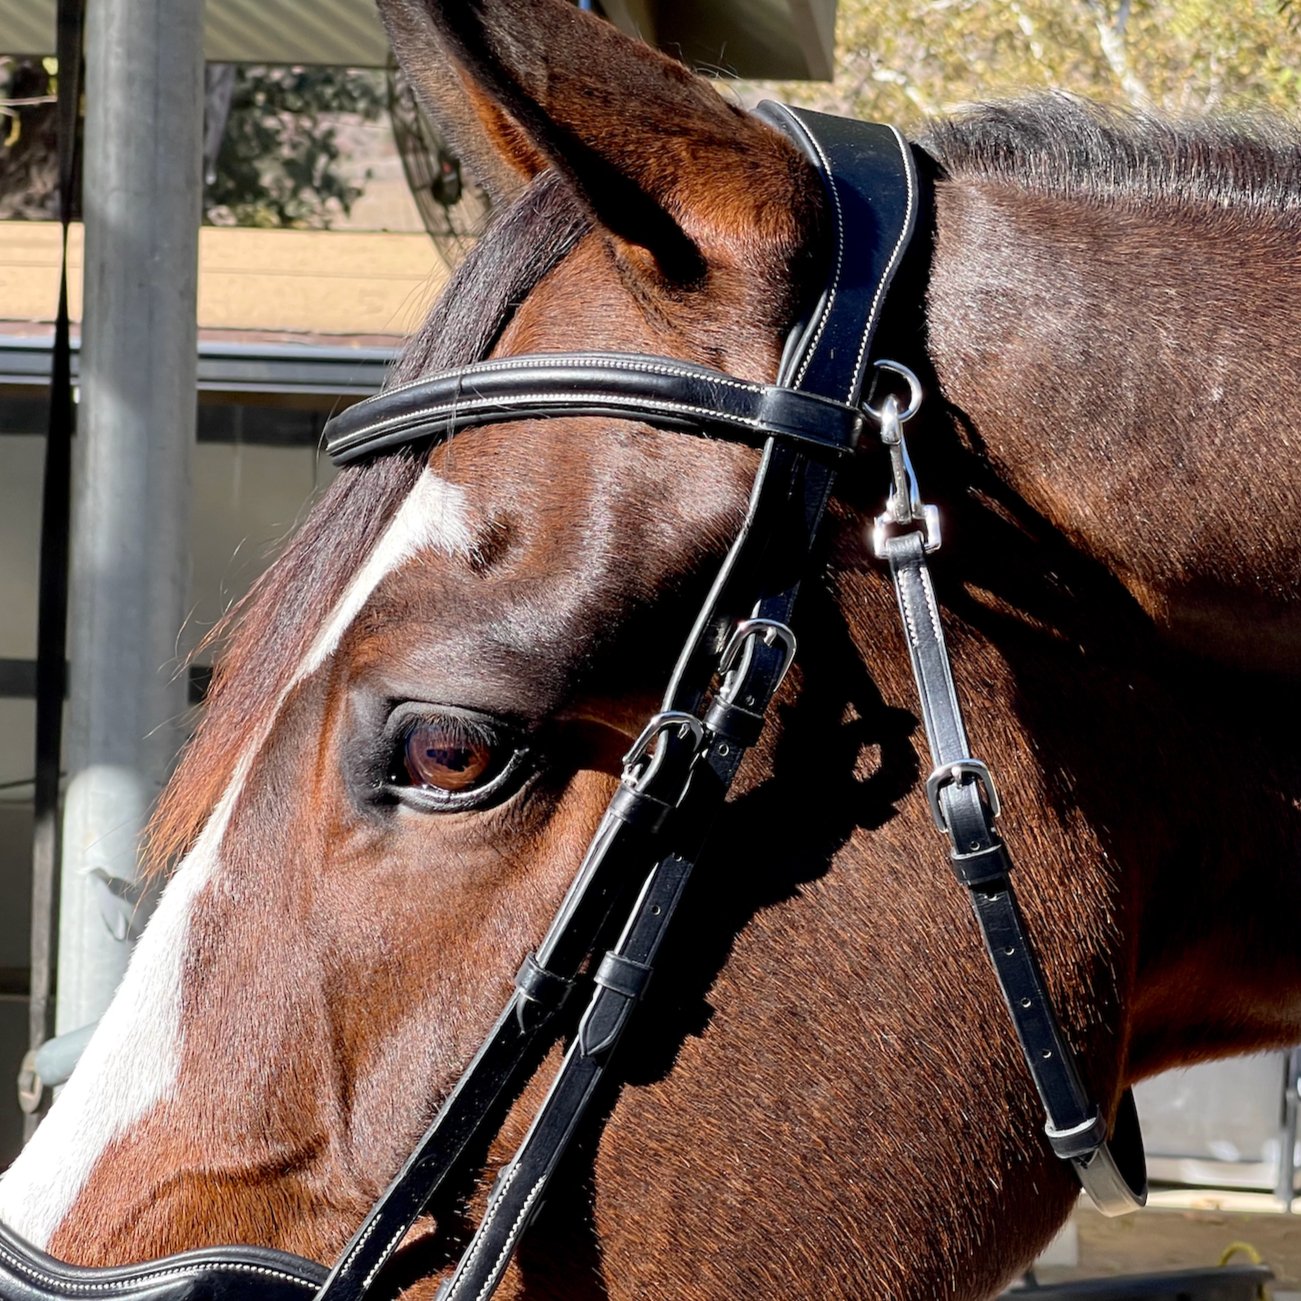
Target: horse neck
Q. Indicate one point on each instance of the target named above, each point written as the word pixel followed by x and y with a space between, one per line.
pixel 1120 364
pixel 1115 367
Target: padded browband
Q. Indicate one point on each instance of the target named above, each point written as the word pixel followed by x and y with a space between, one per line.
pixel 659 391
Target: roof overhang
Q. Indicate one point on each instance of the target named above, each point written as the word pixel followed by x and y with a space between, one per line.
pixel 758 39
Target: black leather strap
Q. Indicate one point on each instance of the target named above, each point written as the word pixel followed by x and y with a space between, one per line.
pixel 870 179
pixel 657 390
pixel 217 1274
pixel 1076 1128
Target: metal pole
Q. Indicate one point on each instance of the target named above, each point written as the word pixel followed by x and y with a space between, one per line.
pixel 1285 1179
pixel 131 484
pixel 52 615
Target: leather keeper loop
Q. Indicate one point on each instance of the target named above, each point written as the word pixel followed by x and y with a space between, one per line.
pixel 539 985
pixel 1080 1141
pixel 733 723
pixel 983 867
pixel 623 975
pixel 639 809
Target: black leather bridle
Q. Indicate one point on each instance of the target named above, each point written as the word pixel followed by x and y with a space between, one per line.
pixel 679 771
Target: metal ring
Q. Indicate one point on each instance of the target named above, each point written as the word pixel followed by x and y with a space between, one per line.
pixel 915 391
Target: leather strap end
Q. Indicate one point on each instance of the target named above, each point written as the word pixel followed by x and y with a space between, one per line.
pixel 620 983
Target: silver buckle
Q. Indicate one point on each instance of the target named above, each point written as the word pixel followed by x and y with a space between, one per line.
pixel 771 631
pixel 948 773
pixel 686 724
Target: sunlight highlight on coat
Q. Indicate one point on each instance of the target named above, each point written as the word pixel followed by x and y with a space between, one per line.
pixel 133 1061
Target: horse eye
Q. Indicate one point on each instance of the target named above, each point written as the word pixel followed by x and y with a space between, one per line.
pixel 446 759
pixel 440 755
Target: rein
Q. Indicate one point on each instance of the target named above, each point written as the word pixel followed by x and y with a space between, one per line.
pixel 678 773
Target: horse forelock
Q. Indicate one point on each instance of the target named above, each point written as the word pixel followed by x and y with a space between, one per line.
pixel 274 628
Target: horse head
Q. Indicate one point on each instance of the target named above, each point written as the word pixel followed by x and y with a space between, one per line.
pixel 418 719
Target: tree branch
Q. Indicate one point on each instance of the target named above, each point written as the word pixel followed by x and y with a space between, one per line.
pixel 1111 37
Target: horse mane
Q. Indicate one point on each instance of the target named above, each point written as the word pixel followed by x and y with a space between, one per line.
pixel 1061 145
pixel 267 633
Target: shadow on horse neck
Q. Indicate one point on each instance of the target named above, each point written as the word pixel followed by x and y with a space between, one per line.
pixel 822 1095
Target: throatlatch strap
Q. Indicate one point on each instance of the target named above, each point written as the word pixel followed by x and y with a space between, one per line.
pixel 964 803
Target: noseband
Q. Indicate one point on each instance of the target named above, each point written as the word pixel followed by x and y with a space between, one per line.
pixel 679 771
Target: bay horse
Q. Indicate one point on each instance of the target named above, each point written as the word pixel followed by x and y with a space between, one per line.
pixel 414 728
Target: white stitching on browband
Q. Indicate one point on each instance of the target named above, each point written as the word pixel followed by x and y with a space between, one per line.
pixel 886 278
pixel 363 436
pixel 542 361
pixel 126 1284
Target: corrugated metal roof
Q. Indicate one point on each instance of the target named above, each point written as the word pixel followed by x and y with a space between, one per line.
pixel 295 31
pixel 346 32
pixel 751 38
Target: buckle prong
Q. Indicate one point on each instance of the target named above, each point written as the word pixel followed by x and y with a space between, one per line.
pixel 669 720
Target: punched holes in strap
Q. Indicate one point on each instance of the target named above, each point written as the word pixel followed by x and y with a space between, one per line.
pixel 734 722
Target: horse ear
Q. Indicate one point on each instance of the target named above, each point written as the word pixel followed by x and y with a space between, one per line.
pixel 491 148
pixel 648 146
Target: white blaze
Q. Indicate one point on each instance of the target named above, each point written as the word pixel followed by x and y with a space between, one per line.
pixel 133 1061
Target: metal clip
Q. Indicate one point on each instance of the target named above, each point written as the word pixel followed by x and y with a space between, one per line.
pixel 904 506
pixel 771 631
pixel 686 725
pixel 914 392
pixel 946 774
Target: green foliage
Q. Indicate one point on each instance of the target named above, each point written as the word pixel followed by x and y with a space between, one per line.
pixel 29 174
pixel 903 60
pixel 279 159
